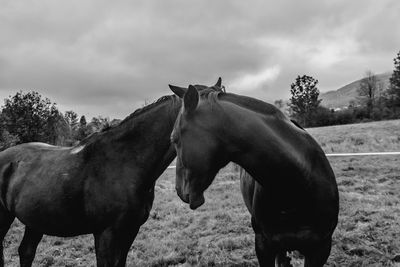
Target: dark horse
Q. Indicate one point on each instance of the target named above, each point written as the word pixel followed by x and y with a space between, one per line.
pixel 104 185
pixel 293 198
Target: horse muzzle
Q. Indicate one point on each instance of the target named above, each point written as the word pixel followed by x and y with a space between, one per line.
pixel 193 199
pixel 196 200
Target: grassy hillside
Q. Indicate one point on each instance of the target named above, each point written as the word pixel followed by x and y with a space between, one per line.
pixel 219 233
pixel 380 136
pixel 341 97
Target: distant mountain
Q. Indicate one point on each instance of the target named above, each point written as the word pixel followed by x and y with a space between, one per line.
pixel 342 96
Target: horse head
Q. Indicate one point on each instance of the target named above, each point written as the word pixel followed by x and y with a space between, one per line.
pixel 199 154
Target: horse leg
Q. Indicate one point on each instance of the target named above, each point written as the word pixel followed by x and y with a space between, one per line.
pixel 318 256
pixel 6 220
pixel 112 246
pixel 27 248
pixel 282 260
pixel 265 252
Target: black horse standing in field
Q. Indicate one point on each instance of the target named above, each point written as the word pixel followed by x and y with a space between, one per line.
pixel 104 185
pixel 288 187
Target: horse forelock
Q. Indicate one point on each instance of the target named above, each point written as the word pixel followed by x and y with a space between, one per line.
pixel 204 88
pixel 211 96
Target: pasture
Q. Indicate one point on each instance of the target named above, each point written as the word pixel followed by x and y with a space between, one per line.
pixel 219 233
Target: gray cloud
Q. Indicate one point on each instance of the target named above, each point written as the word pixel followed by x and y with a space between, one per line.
pixel 101 57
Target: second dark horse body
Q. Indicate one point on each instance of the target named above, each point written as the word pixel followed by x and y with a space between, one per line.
pixel 288 186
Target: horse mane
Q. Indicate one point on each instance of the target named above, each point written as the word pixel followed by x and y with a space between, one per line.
pixel 138 112
pixel 142 110
pixel 250 103
pixel 94 136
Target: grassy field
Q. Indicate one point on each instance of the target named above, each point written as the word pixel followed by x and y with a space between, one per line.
pixel 365 137
pixel 219 233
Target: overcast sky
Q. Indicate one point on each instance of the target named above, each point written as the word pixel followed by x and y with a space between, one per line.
pixel 108 58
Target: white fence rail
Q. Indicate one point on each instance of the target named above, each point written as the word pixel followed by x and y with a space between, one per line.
pixel 362 154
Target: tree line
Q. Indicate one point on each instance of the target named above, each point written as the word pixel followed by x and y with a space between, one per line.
pixel 29 117
pixel 374 102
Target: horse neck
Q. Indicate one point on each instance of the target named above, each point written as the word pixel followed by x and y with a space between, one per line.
pixel 143 140
pixel 260 143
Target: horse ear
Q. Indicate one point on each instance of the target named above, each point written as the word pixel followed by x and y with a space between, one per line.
pixel 179 91
pixel 219 82
pixel 191 99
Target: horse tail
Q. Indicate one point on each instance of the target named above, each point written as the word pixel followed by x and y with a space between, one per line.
pixel 5 177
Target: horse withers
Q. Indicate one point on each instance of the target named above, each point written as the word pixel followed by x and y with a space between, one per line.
pixel 104 185
pixel 288 184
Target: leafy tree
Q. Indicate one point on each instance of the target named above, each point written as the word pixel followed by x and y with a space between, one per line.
pixel 367 91
pixel 99 123
pixel 304 100
pixel 282 105
pixel 82 131
pixel 279 104
pixel 6 139
pixel 58 130
pixel 72 119
pixel 322 116
pixel 96 124
pixel 29 117
pixel 82 121
pixel 394 86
